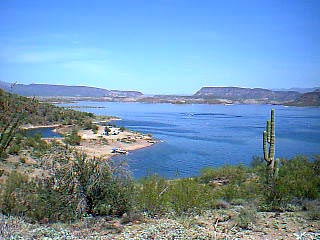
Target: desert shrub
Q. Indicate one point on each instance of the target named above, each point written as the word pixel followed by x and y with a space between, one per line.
pixel 13 112
pixel 31 142
pixel 257 162
pixel 95 185
pixel 221 204
pixel 107 130
pixel 69 189
pixel 229 192
pixel 231 182
pixel 233 174
pixel 246 217
pixel 158 196
pixel 34 199
pixel 119 193
pixel 14 149
pixel 87 124
pixel 95 128
pixel 34 142
pixel 73 138
pixel 312 208
pixel 187 195
pixel 151 195
pixel 16 194
pixel 316 165
pixel 297 180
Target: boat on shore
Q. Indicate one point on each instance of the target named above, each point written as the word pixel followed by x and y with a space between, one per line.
pixel 119 150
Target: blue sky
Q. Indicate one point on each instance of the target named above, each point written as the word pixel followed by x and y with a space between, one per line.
pixel 161 46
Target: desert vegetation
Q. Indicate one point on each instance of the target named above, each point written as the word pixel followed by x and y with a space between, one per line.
pixel 59 189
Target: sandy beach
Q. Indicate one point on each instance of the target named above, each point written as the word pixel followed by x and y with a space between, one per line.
pixel 101 145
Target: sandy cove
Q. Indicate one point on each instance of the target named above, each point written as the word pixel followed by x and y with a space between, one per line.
pixel 101 145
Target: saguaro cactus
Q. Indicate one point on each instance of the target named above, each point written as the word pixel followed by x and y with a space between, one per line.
pixel 269 147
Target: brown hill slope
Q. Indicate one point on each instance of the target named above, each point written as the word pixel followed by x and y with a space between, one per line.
pixel 307 99
pixel 238 94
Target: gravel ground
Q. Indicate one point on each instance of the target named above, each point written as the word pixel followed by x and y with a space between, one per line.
pixel 216 224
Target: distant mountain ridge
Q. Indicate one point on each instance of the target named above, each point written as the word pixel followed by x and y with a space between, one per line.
pixel 206 95
pixel 46 90
pixel 307 99
pixel 296 89
pixel 241 94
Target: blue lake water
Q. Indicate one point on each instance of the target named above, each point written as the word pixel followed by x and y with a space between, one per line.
pixel 199 135
pixel 45 132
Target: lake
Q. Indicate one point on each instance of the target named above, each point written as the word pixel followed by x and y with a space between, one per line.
pixel 200 135
pixel 46 132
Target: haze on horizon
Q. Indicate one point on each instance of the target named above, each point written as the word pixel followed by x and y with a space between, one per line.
pixel 161 46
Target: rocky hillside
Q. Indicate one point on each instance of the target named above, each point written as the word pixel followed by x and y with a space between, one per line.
pixel 36 113
pixel 66 91
pixel 307 99
pixel 241 94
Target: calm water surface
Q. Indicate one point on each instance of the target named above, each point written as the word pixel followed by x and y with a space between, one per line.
pixel 200 135
pixel 46 132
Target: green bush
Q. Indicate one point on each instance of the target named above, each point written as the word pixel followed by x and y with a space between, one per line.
pixel 14 149
pixel 298 179
pixel 313 209
pixel 159 196
pixel 95 128
pixel 107 130
pixel 35 199
pixel 16 194
pixel 73 138
pixel 233 174
pixel 35 142
pixel 76 187
pixel 246 217
pixel 187 195
pixel 96 186
pixel 87 125
pixel 151 195
pixel 231 183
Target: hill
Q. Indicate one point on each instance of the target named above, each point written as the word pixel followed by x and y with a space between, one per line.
pixel 65 91
pixel 242 94
pixel 307 99
pixel 31 111
pixel 297 89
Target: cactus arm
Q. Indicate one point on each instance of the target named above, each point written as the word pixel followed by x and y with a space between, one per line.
pixel 268 131
pixel 276 169
pixel 272 137
pixel 265 148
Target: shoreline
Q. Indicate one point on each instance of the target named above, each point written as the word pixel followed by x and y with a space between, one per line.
pixel 100 145
pixel 30 126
